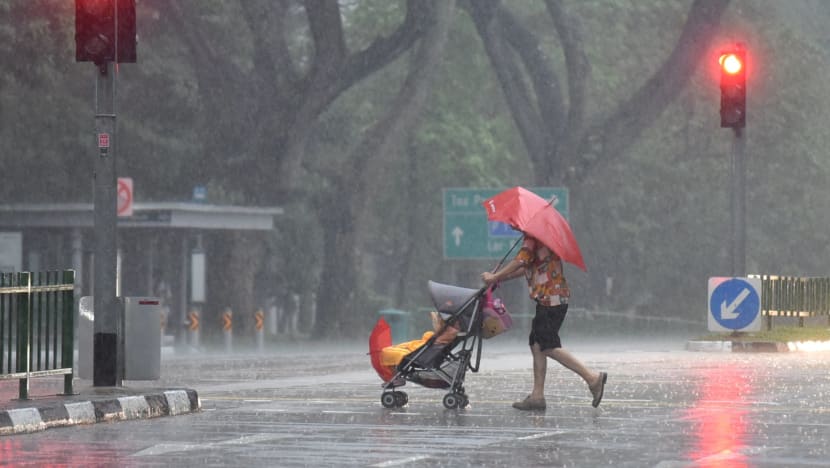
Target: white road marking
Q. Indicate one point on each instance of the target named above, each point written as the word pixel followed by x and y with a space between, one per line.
pixel 161 449
pixel 346 412
pixel 540 435
pixel 402 461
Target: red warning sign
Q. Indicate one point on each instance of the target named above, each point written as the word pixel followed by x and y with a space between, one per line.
pixel 125 196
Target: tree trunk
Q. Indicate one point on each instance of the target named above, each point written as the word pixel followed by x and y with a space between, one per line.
pixel 338 279
pixel 245 263
pixel 340 219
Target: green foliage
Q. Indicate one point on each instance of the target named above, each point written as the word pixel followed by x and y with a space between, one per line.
pixel 378 16
pixel 655 219
pixel 636 37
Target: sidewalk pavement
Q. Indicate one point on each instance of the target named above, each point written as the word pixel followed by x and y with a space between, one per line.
pixel 47 407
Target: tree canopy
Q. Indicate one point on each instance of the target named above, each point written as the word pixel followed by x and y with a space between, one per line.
pixel 354 115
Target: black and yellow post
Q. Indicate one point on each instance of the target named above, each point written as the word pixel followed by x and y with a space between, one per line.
pixel 227 328
pixel 259 329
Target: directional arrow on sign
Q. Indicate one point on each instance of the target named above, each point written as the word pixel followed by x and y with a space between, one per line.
pixel 728 312
pixel 734 304
pixel 457 233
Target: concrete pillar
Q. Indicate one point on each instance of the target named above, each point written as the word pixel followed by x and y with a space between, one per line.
pixel 77 242
pixel 119 258
pixel 150 253
pixel 182 333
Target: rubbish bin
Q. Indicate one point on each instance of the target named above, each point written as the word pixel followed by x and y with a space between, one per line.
pixel 398 321
pixel 142 340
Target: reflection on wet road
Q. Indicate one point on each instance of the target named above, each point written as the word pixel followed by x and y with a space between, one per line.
pixel 720 416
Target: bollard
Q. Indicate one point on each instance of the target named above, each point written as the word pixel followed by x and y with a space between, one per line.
pixel 227 328
pixel 193 327
pixel 259 329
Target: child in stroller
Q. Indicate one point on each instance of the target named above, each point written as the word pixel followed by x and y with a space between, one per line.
pixel 441 358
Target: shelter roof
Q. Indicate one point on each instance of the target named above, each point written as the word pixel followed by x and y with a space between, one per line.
pixel 153 214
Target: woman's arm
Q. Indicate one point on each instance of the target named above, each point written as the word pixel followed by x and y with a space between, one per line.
pixel 514 269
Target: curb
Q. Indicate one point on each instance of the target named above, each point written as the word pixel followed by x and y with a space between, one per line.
pixel 709 346
pixel 757 346
pixel 168 403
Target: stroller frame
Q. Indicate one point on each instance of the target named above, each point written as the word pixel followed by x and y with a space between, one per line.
pixel 449 362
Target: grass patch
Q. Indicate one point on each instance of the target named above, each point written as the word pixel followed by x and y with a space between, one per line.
pixel 777 334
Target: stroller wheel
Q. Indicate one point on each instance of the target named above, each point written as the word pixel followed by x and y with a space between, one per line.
pixel 451 401
pixel 464 401
pixel 389 400
pixel 401 398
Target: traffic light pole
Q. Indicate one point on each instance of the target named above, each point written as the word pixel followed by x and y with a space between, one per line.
pixel 105 338
pixel 738 203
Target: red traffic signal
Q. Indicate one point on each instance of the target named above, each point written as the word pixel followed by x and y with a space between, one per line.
pixel 97 38
pixel 731 63
pixel 733 88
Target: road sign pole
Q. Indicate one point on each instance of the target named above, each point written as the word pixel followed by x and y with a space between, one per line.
pixel 105 339
pixel 738 204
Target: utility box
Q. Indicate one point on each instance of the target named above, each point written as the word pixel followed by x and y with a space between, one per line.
pixel 142 338
pixel 139 337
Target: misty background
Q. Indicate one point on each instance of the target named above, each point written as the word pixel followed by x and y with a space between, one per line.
pixel 353 116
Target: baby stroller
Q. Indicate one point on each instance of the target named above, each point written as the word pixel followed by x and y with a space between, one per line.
pixel 437 364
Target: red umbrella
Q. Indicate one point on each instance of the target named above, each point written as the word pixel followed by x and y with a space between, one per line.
pixel 536 217
pixel 380 338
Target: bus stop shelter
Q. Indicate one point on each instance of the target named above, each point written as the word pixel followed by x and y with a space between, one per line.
pixel 160 245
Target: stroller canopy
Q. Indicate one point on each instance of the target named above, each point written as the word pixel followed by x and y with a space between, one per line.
pixel 448 298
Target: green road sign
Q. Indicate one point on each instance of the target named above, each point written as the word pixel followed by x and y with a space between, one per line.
pixel 468 234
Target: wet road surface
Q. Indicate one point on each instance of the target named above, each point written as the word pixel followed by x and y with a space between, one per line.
pixel 663 407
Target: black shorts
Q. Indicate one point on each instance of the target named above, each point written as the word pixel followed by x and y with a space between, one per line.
pixel 546 325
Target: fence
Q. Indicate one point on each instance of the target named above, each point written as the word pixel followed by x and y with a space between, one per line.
pixel 789 296
pixel 37 313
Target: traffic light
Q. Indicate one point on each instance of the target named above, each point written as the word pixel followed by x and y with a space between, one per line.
pixel 126 31
pixel 733 88
pixel 96 37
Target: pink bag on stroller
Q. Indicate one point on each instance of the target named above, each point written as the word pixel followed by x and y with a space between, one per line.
pixel 497 319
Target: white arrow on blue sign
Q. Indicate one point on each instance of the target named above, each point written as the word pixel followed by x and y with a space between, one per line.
pixel 734 304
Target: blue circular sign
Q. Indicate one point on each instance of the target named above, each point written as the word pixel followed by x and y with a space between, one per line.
pixel 735 304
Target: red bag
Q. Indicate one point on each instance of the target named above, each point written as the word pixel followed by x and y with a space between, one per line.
pixel 497 319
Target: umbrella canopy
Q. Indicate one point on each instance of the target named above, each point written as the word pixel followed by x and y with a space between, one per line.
pixel 536 217
pixel 380 338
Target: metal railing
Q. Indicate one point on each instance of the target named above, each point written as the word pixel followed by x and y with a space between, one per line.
pixel 37 312
pixel 791 296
